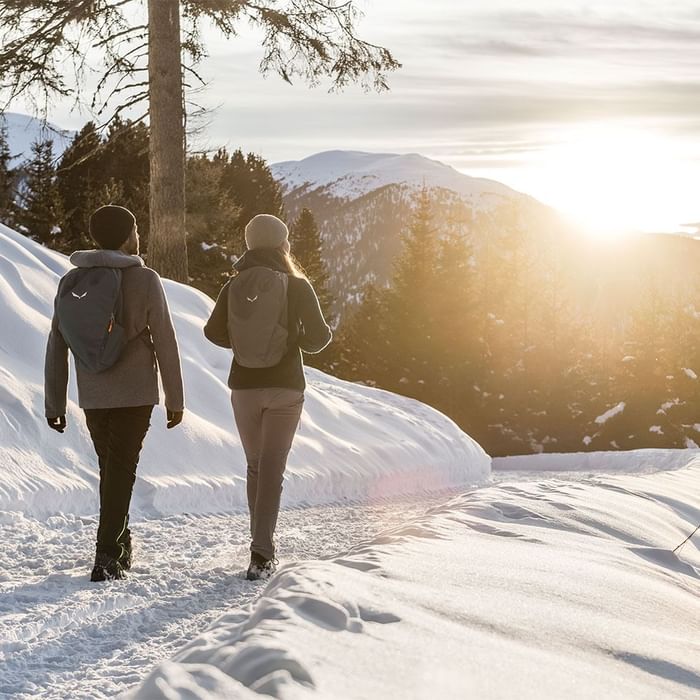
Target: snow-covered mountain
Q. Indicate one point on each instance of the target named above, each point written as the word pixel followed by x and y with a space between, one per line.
pixel 363 202
pixel 348 175
pixel 23 131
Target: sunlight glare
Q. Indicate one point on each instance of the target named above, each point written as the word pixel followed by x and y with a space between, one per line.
pixel 614 180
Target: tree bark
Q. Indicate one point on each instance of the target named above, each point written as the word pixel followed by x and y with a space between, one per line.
pixel 167 250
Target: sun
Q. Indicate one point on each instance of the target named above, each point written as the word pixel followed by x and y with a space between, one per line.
pixel 613 180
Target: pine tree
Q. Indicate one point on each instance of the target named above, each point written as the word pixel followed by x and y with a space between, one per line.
pixel 363 347
pixel 79 177
pixel 39 212
pixel 457 350
pixel 211 214
pixel 248 181
pixel 125 161
pixel 410 301
pixel 8 180
pixel 307 248
pixel 306 39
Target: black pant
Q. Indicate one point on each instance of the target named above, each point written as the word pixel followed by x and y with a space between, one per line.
pixel 117 434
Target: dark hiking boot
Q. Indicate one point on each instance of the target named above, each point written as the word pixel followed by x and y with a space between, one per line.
pixel 106 568
pixel 125 557
pixel 260 568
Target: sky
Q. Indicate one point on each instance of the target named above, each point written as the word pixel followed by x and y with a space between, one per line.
pixel 591 107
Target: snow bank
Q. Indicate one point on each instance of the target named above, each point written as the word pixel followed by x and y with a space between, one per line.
pixel 533 590
pixel 628 461
pixel 353 442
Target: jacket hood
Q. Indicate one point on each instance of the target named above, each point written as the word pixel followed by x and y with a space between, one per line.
pixel 262 257
pixel 105 258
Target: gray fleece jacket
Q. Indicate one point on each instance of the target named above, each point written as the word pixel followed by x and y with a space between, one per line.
pixel 133 380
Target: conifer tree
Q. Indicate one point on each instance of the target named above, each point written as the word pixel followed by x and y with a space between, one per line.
pixel 39 212
pixel 125 160
pixel 248 181
pixel 457 349
pixel 363 346
pixel 211 217
pixel 8 180
pixel 307 248
pixel 39 40
pixel 80 175
pixel 411 301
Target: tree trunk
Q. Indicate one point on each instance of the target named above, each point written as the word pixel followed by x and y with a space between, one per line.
pixel 167 251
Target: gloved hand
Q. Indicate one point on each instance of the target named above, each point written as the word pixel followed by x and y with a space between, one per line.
pixel 174 418
pixel 58 424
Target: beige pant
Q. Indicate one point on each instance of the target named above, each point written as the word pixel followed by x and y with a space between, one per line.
pixel 266 420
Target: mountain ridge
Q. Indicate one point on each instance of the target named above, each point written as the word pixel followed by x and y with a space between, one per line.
pixel 23 130
pixel 347 174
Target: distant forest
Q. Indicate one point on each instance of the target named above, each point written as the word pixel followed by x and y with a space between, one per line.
pixel 542 342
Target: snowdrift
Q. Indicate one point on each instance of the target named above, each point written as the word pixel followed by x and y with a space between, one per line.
pixel 354 442
pixel 542 589
pixel 626 461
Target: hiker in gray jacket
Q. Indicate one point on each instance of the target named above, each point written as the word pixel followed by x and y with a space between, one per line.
pixel 267 313
pixel 112 313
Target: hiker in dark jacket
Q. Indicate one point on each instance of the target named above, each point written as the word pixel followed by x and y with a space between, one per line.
pixel 117 401
pixel 267 313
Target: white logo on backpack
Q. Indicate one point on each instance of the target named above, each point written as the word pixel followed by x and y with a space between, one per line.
pixel 79 296
pixel 253 299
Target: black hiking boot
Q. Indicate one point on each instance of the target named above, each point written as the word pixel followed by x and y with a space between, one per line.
pixel 106 568
pixel 125 557
pixel 260 568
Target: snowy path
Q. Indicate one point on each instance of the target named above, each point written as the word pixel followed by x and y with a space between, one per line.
pixel 61 636
pixel 545 588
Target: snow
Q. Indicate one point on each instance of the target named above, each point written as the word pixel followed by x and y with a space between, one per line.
pixel 354 442
pixel 351 174
pixel 544 589
pixel 625 461
pixel 533 585
pixel 666 405
pixel 63 637
pixel 23 131
pixel 605 417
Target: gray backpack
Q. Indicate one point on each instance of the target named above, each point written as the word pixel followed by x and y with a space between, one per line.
pixel 88 308
pixel 257 316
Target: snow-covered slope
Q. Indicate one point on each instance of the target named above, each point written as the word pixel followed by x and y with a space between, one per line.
pixel 532 590
pixel 23 131
pixel 351 174
pixel 353 442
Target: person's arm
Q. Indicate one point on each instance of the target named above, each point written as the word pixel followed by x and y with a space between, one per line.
pixel 55 371
pixel 216 328
pixel 160 324
pixel 315 333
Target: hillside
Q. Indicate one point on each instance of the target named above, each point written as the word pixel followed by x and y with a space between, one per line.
pixel 363 203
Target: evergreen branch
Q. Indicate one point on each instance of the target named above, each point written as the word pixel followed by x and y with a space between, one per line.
pixel 189 69
pixel 123 33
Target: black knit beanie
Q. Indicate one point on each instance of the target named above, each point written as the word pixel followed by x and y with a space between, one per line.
pixel 111 226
